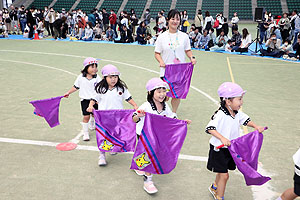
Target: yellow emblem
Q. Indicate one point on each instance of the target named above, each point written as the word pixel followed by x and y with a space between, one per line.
pixel 106 145
pixel 140 161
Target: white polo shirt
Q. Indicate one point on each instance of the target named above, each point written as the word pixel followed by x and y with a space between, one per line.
pixel 112 99
pixel 151 108
pixel 171 46
pixel 86 86
pixel 226 125
pixel 296 159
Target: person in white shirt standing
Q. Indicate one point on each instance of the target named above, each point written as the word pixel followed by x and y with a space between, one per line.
pixel 86 83
pixel 225 126
pixel 171 47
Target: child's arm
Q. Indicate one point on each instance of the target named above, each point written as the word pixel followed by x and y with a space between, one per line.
pixel 253 125
pixel 91 106
pixel 73 89
pixel 224 140
pixel 132 102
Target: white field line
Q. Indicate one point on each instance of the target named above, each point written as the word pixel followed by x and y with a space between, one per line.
pixel 86 148
pixel 264 192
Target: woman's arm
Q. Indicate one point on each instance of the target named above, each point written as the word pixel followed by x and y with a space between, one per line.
pixel 159 59
pixel 189 54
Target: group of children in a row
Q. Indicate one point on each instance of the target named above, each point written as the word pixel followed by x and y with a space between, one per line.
pixel 110 91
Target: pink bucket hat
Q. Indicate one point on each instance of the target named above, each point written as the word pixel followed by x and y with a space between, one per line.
pixel 229 89
pixel 89 61
pixel 110 70
pixel 155 83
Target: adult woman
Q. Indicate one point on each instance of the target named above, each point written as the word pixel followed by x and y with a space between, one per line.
pixel 208 21
pixel 141 33
pixel 285 26
pixel 246 41
pixel 171 47
pixel 185 17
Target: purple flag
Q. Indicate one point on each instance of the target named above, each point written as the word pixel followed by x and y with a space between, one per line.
pixel 244 151
pixel 115 130
pixel 178 77
pixel 49 109
pixel 159 144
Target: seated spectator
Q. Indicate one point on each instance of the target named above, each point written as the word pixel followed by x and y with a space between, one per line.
pixel 40 28
pixel 275 29
pixel 97 31
pixel 126 36
pixel 150 39
pixel 296 47
pixel 103 36
pixel 273 47
pixel 194 36
pixel 246 41
pixel 228 47
pixel 220 42
pixel 287 47
pixel 110 34
pixel 203 40
pixel 88 32
pixel 141 33
pixel 236 39
pixel 212 36
pixel 3 30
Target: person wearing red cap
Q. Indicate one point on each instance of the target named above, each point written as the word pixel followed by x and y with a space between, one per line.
pixel 225 126
pixel 111 91
pixel 85 83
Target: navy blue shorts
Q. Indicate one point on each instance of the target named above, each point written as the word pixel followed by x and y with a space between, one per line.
pixel 85 104
pixel 220 161
pixel 297 183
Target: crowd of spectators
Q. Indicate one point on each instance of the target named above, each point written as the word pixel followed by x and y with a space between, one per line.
pixel 279 34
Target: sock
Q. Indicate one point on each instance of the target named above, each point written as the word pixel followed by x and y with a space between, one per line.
pixel 148 178
pixel 214 186
pixel 102 153
pixel 85 127
pixel 279 198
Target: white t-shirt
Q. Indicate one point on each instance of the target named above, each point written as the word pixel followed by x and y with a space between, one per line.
pixel 112 99
pixel 296 158
pixel 86 86
pixel 246 41
pixel 163 24
pixel 226 125
pixel 151 108
pixel 172 46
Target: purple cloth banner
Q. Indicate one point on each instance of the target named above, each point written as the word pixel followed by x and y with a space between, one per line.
pixel 115 130
pixel 178 77
pixel 48 109
pixel 244 151
pixel 159 144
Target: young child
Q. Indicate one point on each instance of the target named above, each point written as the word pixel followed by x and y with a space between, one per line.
pixel 294 192
pixel 224 126
pixel 111 91
pixel 155 104
pixel 86 83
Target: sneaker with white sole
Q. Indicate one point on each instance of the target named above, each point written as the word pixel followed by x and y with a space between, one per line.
pixel 213 190
pixel 149 187
pixel 140 173
pixel 102 160
pixel 86 136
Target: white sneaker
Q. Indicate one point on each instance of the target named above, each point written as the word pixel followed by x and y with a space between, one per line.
pixel 149 187
pixel 140 173
pixel 86 136
pixel 102 160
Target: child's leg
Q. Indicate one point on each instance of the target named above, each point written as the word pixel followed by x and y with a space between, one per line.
pixel 175 104
pixel 92 123
pixel 85 128
pixel 149 187
pixel 102 160
pixel 288 195
pixel 222 181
